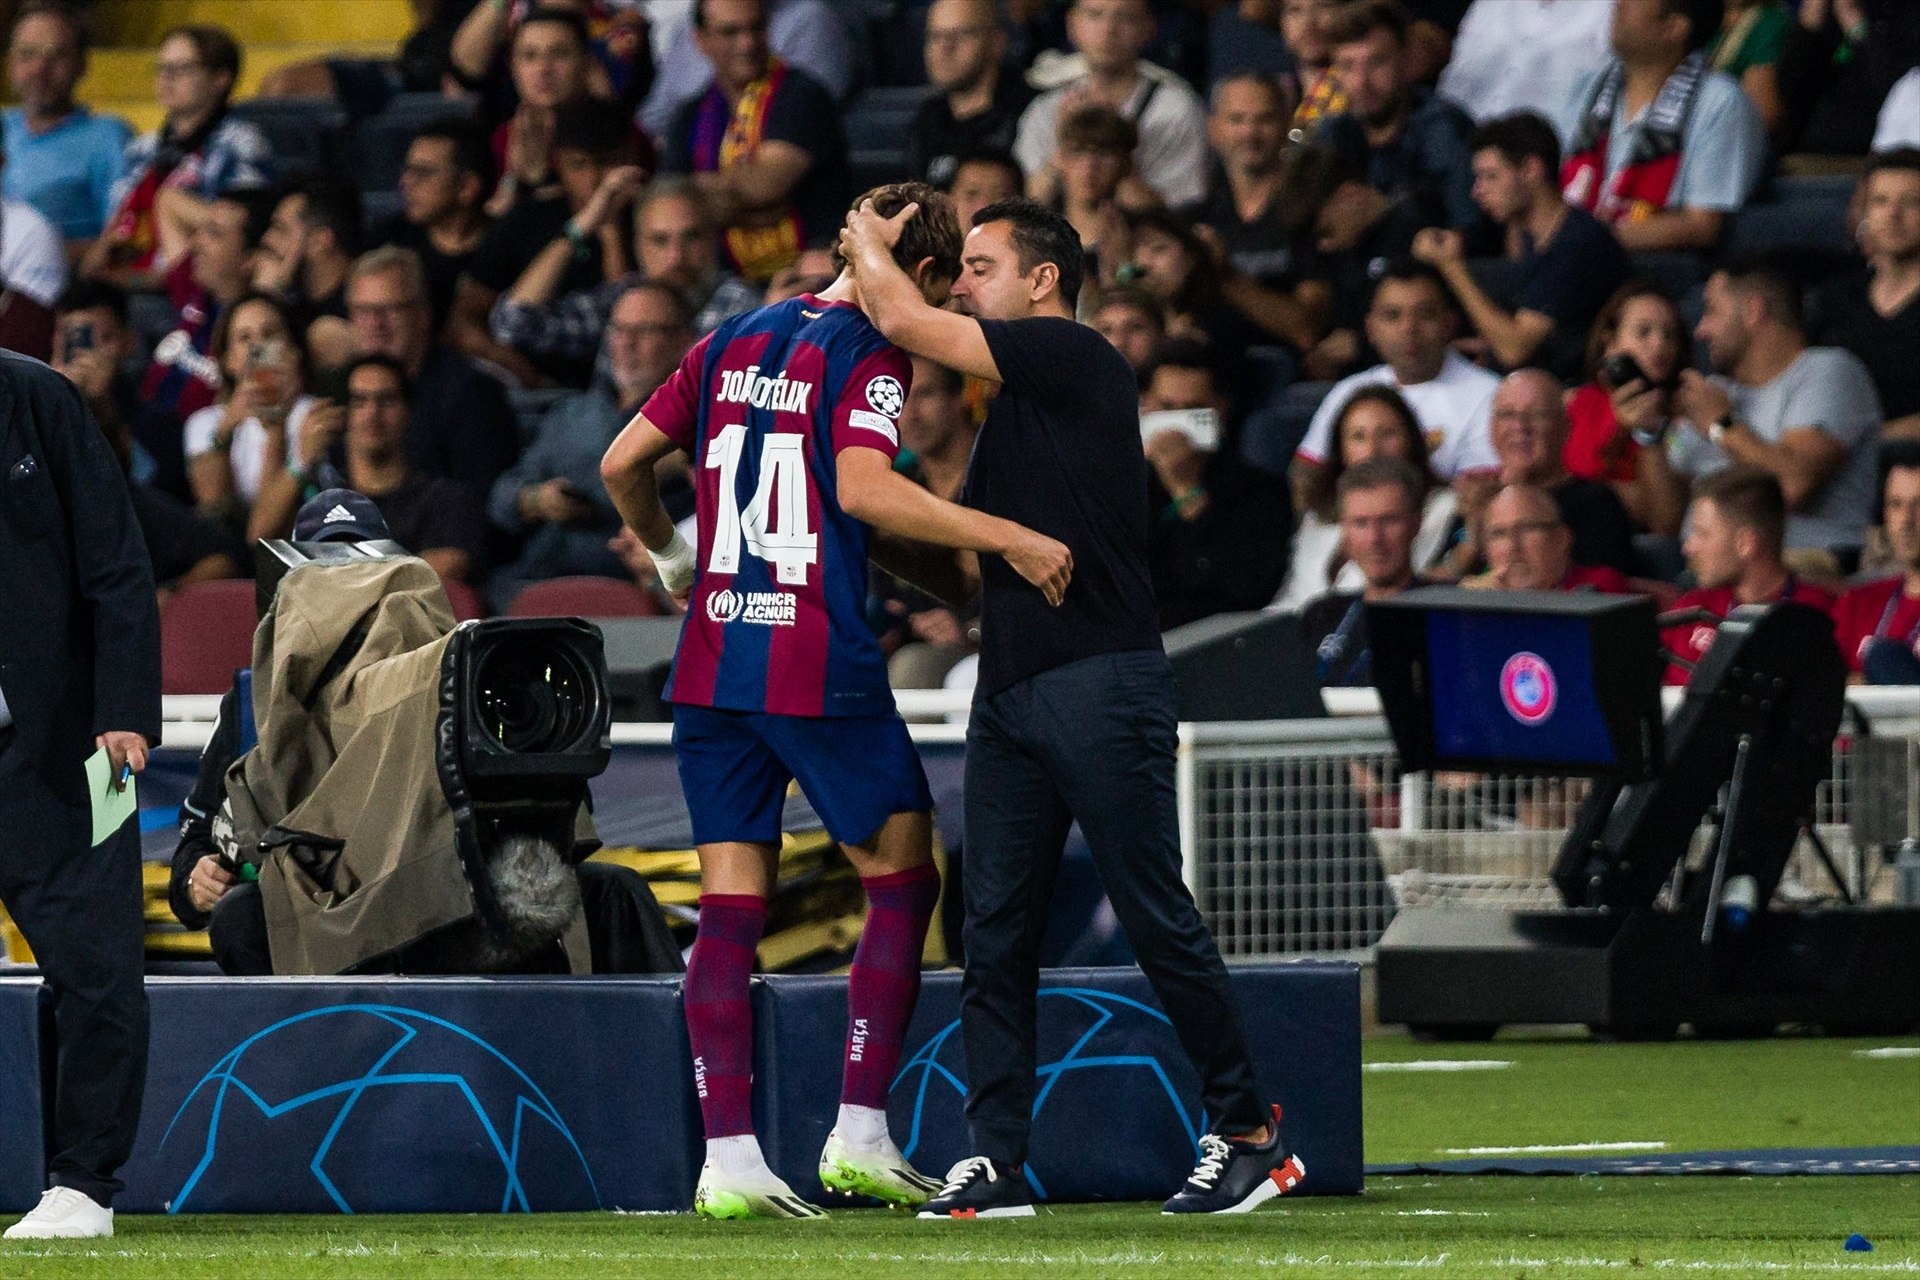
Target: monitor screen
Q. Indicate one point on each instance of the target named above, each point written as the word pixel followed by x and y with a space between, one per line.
pixel 1519 695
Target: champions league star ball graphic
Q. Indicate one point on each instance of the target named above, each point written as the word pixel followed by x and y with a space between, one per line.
pixel 323 1107
pixel 1108 1066
pixel 1528 689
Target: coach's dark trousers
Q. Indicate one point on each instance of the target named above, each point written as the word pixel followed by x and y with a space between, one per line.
pixel 1093 740
pixel 80 909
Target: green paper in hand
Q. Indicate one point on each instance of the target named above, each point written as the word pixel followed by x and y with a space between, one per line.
pixel 111 807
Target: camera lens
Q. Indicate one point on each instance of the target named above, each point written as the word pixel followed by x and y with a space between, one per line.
pixel 533 696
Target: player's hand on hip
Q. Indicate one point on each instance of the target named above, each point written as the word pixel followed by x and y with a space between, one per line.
pixel 124 750
pixel 1044 562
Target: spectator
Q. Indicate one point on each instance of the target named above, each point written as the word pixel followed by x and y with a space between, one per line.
pixel 61 158
pixel 1375 422
pixel 591 140
pixel 1263 237
pixel 1245 38
pixel 807 35
pixel 1530 438
pixel 1736 529
pixel 1303 25
pixel 1616 431
pixel 1357 234
pixel 677 243
pixel 811 272
pixel 310 243
pixel 548 62
pixel 184 376
pixel 1379 513
pixel 198 152
pixel 1877 624
pixel 982 177
pixel 444 183
pixel 1221 528
pixel 977 98
pixel 1875 312
pixel 33 272
pixel 91 345
pixel 1566 262
pixel 938 429
pixel 1411 321
pixel 1899 123
pixel 1659 146
pixel 1109 35
pixel 552 499
pixel 1092 160
pixel 459 424
pixel 1747 47
pixel 1529 548
pixel 254 429
pixel 619 57
pixel 1132 320
pixel 433 517
pixel 1838 63
pixel 763 144
pixel 1807 415
pixel 1407 140
pixel 1524 55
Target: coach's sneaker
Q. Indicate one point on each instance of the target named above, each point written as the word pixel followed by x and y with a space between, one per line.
pixel 979 1188
pixel 879 1171
pixel 1235 1176
pixel 735 1182
pixel 64 1214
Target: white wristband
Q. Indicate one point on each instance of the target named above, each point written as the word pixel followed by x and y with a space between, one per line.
pixel 675 564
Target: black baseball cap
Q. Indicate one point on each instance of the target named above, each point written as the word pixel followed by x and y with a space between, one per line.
pixel 340 515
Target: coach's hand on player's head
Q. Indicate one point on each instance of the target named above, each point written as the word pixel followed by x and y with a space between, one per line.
pixel 865 225
pixel 1043 561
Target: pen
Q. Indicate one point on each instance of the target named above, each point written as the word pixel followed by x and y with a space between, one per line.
pixel 126 772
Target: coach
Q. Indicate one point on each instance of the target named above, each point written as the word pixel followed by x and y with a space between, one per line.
pixel 1073 715
pixel 79 671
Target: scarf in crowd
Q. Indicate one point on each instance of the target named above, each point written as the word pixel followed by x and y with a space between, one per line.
pixel 131 230
pixel 1645 180
pixel 724 135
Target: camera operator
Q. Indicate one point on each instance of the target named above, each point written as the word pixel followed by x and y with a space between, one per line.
pixel 626 931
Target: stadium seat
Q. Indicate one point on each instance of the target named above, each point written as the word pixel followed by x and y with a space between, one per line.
pixel 376 148
pixel 1795 214
pixel 206 634
pixel 583 597
pixel 466 602
pixel 302 131
pixel 876 126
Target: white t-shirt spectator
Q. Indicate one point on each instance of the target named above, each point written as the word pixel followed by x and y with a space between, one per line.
pixel 1826 388
pixel 33 258
pixel 1723 149
pixel 1316 541
pixel 1899 124
pixel 1453 410
pixel 247 453
pixel 1525 55
pixel 1172 155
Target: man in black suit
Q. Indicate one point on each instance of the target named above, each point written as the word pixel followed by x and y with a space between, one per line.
pixel 79 672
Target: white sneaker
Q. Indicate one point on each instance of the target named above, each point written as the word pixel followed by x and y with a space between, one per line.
pixel 881 1172
pixel 64 1214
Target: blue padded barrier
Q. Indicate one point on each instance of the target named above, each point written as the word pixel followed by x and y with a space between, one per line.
pixel 23 1158
pixel 1117 1115
pixel 421 1095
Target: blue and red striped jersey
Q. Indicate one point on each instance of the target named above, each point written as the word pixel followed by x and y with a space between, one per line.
pixel 776 621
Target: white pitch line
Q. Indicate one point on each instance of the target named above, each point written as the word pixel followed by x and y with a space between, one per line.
pixel 1441 1064
pixel 1891 1051
pixel 1563 1149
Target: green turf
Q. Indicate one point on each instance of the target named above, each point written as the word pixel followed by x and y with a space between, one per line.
pixel 1692 1095
pixel 1443 1227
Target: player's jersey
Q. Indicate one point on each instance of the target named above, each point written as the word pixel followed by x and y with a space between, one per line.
pixel 776 621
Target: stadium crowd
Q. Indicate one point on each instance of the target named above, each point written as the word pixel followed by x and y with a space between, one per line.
pixel 1615 295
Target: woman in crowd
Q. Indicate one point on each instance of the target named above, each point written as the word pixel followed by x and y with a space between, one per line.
pixel 249 433
pixel 1623 407
pixel 198 151
pixel 1375 422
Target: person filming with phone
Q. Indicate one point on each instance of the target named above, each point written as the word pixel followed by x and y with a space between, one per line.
pixel 1221 529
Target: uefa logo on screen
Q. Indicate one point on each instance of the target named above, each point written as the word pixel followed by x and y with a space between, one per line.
pixel 1528 689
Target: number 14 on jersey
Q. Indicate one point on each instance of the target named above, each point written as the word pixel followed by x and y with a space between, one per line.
pixel 774 524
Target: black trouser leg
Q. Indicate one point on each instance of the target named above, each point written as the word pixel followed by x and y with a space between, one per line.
pixel 1107 727
pixel 80 909
pixel 1016 825
pixel 238 932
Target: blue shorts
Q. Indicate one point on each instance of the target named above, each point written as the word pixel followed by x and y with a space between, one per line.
pixel 856 771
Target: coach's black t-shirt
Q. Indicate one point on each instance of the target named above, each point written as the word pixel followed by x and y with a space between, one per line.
pixel 1060 453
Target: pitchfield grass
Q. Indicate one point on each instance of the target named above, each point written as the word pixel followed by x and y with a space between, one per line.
pixel 1691 1096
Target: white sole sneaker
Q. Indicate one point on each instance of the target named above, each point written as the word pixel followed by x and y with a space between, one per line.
pixel 1277 1183
pixel 64 1214
pixel 883 1175
pixel 970 1215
